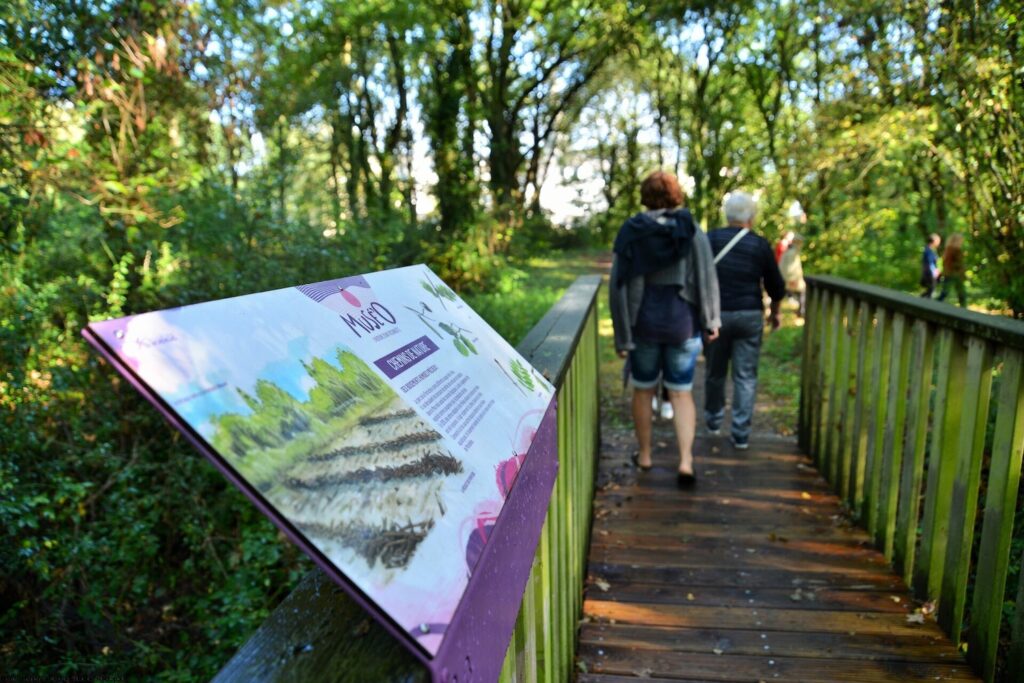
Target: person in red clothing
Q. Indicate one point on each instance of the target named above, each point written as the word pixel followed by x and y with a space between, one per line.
pixel 783 245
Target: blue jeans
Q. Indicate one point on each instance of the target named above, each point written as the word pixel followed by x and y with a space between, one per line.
pixel 738 343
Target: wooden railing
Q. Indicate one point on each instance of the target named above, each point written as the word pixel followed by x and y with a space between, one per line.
pixel 913 410
pixel 319 634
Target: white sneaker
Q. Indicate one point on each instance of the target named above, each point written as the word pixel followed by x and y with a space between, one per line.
pixel 714 432
pixel 666 411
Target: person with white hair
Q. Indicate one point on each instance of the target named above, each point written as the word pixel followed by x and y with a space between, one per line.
pixel 745 263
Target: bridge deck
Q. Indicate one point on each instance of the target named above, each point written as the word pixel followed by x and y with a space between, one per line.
pixel 754 575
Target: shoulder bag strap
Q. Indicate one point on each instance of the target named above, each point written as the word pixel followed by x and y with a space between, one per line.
pixel 732 243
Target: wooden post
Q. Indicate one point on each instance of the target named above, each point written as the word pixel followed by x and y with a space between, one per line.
pixel 837 394
pixel 881 352
pixel 1000 507
pixel 859 432
pixel 848 397
pixel 807 369
pixel 820 408
pixel 892 443
pixel 965 486
pixel 952 364
pixel 914 449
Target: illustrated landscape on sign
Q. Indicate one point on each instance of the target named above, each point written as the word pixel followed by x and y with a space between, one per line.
pixel 354 468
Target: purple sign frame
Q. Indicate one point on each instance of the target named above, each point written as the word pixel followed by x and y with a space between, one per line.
pixel 476 640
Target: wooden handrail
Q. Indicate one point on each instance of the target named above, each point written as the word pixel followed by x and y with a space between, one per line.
pixel 999 329
pixel 318 633
pixel 903 400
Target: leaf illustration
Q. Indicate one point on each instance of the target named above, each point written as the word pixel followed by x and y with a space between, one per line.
pixel 449 329
pixel 469 344
pixel 460 346
pixel 522 374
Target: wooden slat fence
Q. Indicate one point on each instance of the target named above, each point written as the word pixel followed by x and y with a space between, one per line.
pixel 319 634
pixel 914 411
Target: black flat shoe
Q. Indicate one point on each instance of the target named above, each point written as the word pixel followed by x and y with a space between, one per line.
pixel 635 458
pixel 684 480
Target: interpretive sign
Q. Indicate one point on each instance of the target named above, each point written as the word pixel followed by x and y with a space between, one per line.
pixel 377 419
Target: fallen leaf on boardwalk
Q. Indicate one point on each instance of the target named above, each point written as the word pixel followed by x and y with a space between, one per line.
pixel 710 472
pixel 582 666
pixel 806 468
pixel 797 596
pixel 643 673
pixel 602 584
pixel 718 650
pixel 715 449
pixel 928 607
pixel 915 618
pixel 895 598
pixel 805 495
pixel 603 532
pixel 690 596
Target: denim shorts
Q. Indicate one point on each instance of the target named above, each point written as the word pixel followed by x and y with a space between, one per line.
pixel 675 363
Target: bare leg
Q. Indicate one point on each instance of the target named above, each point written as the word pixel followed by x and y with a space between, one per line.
pixel 642 421
pixel 685 422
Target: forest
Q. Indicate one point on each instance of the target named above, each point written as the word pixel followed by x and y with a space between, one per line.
pixel 155 153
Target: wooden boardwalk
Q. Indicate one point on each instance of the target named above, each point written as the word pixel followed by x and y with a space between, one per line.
pixel 754 575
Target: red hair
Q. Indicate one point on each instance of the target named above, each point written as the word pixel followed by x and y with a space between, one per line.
pixel 660 190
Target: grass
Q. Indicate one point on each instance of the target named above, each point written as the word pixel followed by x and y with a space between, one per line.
pixel 526 290
pixel 778 386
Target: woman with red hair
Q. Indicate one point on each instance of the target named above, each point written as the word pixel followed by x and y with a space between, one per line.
pixel 664 294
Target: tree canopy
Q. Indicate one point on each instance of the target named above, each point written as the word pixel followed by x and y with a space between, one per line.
pixel 159 152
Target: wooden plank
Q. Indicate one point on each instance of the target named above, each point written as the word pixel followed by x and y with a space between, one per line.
pixel 1000 507
pixel 928 648
pixel 848 396
pixel 826 380
pixel 803 550
pixel 547 611
pixel 333 634
pixel 530 663
pixel 812 598
pixel 710 666
pixel 818 381
pixel 880 362
pixel 765 619
pixel 859 431
pixel 833 379
pixel 836 530
pixel 914 450
pixel 952 366
pixel 807 365
pixel 744 577
pixel 964 505
pixel 793 562
pixel 892 442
